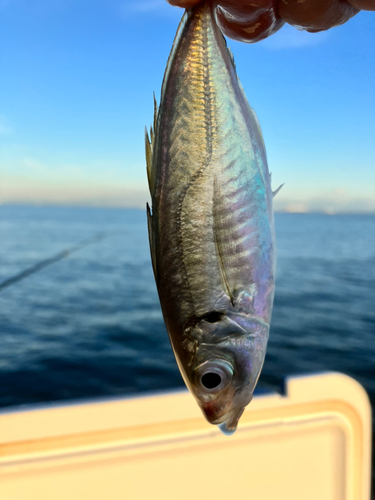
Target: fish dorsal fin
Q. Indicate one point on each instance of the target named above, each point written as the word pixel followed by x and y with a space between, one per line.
pixel 150 145
pixel 256 119
pixel 151 238
pixel 257 124
pixel 254 116
pixel 155 113
pixel 148 148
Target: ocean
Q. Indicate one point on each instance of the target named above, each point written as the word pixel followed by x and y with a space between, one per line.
pixel 89 325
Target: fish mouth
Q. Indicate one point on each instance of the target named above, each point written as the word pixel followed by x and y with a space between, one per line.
pixel 228 422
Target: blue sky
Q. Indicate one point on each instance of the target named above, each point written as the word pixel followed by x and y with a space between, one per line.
pixel 76 92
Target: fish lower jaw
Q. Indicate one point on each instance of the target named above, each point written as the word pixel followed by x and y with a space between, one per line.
pixel 229 426
pixel 229 419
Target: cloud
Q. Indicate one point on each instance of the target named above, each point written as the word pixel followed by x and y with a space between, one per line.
pixel 291 38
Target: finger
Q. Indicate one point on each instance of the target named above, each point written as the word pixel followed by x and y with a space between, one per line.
pixel 250 25
pixel 363 4
pixel 243 20
pixel 262 25
pixel 316 15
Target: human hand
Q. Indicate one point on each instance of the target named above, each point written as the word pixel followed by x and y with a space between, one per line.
pixel 253 20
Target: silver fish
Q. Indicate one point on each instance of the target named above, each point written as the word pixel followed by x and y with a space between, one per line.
pixel 211 229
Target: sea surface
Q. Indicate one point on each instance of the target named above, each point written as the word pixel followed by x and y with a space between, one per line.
pixel 89 325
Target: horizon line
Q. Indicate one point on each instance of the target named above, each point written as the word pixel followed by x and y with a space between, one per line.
pixel 134 207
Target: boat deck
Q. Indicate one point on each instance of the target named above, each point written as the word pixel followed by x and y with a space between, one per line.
pixel 312 443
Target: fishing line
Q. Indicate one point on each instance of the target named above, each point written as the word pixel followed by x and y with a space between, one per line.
pixel 47 262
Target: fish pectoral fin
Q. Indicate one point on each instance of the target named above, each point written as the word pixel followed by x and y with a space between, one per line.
pixel 222 302
pixel 219 245
pixel 224 274
pixel 151 238
pixel 274 193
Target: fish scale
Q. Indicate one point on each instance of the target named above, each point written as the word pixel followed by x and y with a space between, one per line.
pixel 211 223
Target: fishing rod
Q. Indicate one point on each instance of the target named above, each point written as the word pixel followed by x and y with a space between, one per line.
pixel 51 260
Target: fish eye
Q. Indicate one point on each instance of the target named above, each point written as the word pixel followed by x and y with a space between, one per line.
pixel 214 376
pixel 211 380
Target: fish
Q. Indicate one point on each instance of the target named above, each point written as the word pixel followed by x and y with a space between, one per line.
pixel 211 224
